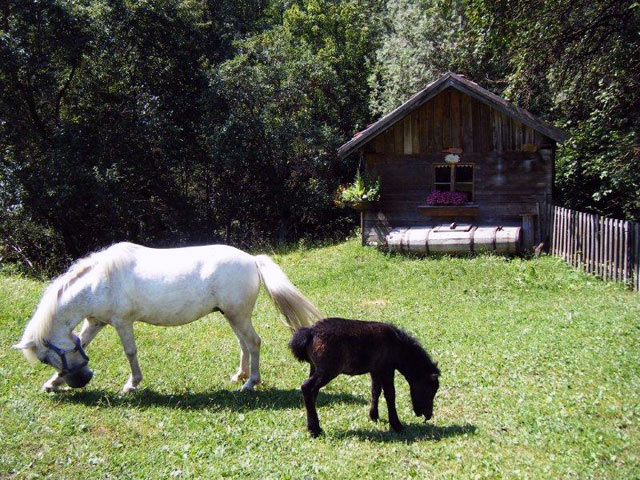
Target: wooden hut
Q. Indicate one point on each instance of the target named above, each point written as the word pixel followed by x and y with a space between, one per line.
pixel 455 136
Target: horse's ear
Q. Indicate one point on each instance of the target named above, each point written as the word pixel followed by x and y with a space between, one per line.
pixel 23 345
pixel 435 364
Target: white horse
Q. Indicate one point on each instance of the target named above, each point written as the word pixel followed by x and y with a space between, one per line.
pixel 126 283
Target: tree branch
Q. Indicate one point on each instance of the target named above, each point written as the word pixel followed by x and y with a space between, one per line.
pixel 62 92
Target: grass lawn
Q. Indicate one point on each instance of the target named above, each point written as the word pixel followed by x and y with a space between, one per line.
pixel 540 379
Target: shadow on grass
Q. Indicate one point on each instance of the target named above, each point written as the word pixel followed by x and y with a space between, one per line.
pixel 267 399
pixel 410 433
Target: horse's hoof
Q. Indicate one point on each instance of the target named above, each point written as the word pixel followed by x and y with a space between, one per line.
pixel 374 416
pixel 50 388
pixel 238 377
pixel 129 389
pixel 397 428
pixel 248 387
pixel 316 433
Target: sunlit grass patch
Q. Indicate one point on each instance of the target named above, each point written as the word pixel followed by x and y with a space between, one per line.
pixel 540 363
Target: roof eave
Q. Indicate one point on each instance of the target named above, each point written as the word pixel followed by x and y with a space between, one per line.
pixel 434 88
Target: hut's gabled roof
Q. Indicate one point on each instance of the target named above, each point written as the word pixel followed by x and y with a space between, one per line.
pixel 463 85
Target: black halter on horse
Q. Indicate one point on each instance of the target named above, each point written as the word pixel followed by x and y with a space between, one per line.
pixel 62 354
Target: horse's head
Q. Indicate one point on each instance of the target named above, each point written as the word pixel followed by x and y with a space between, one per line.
pixel 67 356
pixel 424 387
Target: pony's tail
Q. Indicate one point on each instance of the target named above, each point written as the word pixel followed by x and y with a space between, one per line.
pixel 297 309
pixel 299 343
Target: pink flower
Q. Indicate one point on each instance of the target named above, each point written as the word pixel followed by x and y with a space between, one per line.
pixel 447 198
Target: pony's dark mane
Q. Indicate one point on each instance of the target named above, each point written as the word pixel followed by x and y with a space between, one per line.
pixel 418 356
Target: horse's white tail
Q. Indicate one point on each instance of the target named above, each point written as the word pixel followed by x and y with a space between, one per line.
pixel 297 309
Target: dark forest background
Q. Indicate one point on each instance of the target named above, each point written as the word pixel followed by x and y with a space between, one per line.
pixel 176 122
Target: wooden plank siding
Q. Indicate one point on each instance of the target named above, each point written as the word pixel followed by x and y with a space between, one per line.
pixel 509 179
pixel 506 187
pixel 455 120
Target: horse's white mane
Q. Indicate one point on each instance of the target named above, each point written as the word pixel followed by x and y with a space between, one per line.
pixel 108 261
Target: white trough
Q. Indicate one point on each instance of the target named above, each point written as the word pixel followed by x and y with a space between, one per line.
pixel 454 238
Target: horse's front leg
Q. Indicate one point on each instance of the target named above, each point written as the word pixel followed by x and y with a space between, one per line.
pixel 90 328
pixel 125 332
pixel 390 396
pixel 243 368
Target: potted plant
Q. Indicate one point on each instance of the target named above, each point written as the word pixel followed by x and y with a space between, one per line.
pixel 362 194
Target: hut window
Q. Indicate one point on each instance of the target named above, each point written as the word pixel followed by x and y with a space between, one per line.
pixel 454 178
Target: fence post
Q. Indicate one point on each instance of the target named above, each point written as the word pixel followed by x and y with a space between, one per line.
pixel 565 234
pixel 627 253
pixel 582 243
pixel 636 256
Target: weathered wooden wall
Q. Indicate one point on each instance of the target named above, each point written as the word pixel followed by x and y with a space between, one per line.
pixel 513 164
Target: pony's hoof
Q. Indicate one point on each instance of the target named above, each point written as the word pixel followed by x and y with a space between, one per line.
pixel 248 387
pixel 238 377
pixel 397 428
pixel 374 416
pixel 50 388
pixel 129 389
pixel 316 433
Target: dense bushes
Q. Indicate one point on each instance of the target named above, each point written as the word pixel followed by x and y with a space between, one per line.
pixel 193 121
pixel 175 122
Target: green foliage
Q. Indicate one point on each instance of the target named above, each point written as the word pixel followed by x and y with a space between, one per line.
pixel 196 121
pixel 540 379
pixel 421 42
pixel 568 61
pixel 289 95
pixel 176 122
pixel 363 188
pixel 585 81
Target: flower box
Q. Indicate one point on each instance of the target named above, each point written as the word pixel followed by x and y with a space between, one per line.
pixel 469 210
pixel 365 205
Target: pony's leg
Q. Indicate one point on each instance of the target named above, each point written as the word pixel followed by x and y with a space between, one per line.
pixel 90 329
pixel 243 368
pixel 240 322
pixel 390 396
pixel 252 340
pixel 125 332
pixel 376 389
pixel 53 384
pixel 310 389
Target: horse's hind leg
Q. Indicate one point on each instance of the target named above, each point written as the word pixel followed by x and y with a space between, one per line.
pixel 241 324
pixel 243 368
pixel 376 389
pixel 125 332
pixel 90 328
pixel 310 389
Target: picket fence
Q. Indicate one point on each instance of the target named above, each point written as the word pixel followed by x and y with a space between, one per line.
pixel 606 247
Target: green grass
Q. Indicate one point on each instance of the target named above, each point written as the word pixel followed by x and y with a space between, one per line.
pixel 541 379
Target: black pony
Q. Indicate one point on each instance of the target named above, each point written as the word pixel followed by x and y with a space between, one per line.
pixel 336 345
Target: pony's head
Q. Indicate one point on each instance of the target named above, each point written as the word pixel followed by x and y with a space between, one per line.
pixel 67 356
pixel 423 388
pixel 48 338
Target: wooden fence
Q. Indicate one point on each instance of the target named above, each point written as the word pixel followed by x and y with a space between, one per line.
pixel 606 247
